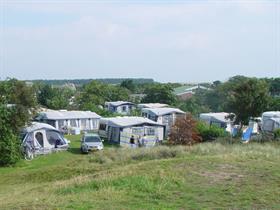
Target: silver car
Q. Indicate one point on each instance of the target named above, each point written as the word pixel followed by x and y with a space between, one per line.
pixel 91 142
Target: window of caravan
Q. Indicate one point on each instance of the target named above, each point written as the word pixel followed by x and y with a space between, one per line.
pixel 73 123
pixel 51 122
pixel 102 127
pixel 153 117
pixel 60 123
pixel 150 131
pixel 94 124
pixel 83 123
pixel 52 136
pixel 88 124
pixel 268 125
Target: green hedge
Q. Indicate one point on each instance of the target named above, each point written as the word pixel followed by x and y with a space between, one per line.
pixel 210 132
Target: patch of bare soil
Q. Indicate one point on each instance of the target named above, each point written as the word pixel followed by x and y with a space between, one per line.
pixel 221 173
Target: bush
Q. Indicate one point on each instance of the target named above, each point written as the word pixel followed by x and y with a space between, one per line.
pixel 210 132
pixel 184 132
pixel 9 143
pixel 277 133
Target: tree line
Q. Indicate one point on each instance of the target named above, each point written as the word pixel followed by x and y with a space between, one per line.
pixel 19 101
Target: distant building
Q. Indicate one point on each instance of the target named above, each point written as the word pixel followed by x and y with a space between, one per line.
pixel 120 107
pixel 166 116
pixel 152 105
pixel 185 92
pixel 70 86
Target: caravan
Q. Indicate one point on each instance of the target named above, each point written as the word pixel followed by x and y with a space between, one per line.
pixel 270 121
pixel 130 131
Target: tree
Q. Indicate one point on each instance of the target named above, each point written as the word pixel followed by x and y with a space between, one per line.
pixel 128 84
pixel 274 86
pixel 23 101
pixel 274 103
pixel 184 132
pixel 193 105
pixel 17 105
pixel 94 95
pixel 9 141
pixel 53 97
pixel 246 97
pixel 159 93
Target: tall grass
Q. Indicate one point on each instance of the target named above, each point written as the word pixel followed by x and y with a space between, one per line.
pixel 127 155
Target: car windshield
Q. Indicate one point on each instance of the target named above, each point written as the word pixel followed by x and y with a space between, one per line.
pixel 92 139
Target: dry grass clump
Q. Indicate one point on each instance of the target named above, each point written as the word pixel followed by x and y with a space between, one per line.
pixel 125 155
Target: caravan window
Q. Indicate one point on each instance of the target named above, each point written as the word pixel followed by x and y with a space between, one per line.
pixel 83 123
pixel 102 127
pixel 150 131
pixel 51 122
pixel 52 136
pixel 60 123
pixel 73 123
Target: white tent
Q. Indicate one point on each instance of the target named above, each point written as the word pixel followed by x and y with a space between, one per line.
pixel 41 138
pixel 270 121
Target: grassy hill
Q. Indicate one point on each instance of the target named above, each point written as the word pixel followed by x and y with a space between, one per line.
pixel 205 176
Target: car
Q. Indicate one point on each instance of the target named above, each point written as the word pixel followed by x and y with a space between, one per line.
pixel 91 142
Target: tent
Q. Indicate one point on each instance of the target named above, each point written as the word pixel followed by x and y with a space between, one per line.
pixel 270 121
pixel 41 138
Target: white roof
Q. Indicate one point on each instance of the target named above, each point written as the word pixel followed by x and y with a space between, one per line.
pixel 163 111
pixel 64 114
pixel 274 114
pixel 37 126
pixel 152 105
pixel 128 121
pixel 119 103
pixel 217 116
pixel 196 87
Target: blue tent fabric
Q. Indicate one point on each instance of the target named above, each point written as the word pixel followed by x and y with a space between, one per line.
pixel 247 134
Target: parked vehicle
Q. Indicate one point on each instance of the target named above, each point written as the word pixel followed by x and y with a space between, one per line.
pixel 91 142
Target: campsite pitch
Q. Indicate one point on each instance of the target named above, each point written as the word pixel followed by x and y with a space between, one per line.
pixel 206 176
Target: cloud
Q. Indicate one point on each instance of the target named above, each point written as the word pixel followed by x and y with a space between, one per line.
pixel 104 39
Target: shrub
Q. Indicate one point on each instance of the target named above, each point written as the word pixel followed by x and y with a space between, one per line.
pixel 276 133
pixel 9 143
pixel 184 132
pixel 209 132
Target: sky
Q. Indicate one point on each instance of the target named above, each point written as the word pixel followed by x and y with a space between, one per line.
pixel 169 41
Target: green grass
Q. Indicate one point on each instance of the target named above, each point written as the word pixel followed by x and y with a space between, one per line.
pixel 206 176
